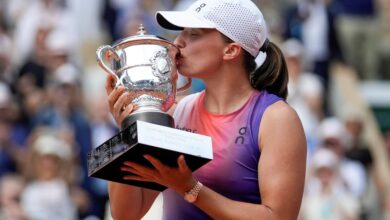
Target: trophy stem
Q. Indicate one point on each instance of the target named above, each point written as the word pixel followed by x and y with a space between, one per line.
pixel 159 118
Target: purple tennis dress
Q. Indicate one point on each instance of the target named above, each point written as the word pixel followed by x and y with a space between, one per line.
pixel 233 170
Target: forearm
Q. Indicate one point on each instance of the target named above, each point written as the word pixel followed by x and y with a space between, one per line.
pixel 220 207
pixel 129 202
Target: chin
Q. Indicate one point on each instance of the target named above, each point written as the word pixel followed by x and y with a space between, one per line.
pixel 188 72
pixel 182 72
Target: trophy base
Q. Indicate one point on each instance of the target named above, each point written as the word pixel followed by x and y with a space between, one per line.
pixel 140 138
pixel 158 118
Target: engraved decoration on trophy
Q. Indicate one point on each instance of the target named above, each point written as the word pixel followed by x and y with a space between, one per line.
pixel 146 66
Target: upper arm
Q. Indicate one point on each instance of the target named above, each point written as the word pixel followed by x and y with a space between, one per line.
pixel 282 163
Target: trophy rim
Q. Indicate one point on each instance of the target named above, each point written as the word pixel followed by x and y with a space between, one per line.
pixel 144 39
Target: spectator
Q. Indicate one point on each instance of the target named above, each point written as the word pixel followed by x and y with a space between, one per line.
pixel 358 150
pixel 272 13
pixel 50 14
pixel 124 17
pixel 329 199
pixel 30 82
pixel 312 22
pixel 8 160
pixel 333 136
pixel 11 154
pixel 384 39
pixel 6 46
pixel 115 14
pixel 108 19
pixel 357 25
pixel 47 196
pixel 33 70
pixel 11 187
pixel 305 91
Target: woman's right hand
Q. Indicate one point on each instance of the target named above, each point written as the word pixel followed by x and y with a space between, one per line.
pixel 118 100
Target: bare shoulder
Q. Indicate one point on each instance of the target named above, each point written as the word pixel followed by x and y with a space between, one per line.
pixel 281 111
pixel 280 121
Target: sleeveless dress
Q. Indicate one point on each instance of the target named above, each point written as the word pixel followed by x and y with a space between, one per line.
pixel 233 171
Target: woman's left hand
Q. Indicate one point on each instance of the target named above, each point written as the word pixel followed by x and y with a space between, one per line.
pixel 177 178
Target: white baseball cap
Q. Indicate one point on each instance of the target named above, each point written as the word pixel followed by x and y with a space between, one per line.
pixel 333 127
pixel 240 20
pixel 293 48
pixel 50 145
pixel 324 158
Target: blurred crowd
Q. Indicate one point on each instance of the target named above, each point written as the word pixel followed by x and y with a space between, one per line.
pixel 53 110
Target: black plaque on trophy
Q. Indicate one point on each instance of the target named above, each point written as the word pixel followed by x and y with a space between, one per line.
pixel 142 138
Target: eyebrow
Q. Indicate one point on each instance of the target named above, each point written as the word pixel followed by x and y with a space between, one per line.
pixel 200 29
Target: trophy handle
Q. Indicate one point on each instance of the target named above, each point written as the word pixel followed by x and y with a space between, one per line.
pixel 104 54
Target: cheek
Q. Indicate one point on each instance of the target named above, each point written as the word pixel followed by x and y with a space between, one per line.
pixel 203 58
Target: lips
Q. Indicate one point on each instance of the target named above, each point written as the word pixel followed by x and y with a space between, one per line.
pixel 178 59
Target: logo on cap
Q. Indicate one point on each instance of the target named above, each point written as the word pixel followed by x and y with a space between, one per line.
pixel 200 7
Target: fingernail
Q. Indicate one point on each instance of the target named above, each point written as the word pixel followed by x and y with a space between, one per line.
pixel 127 163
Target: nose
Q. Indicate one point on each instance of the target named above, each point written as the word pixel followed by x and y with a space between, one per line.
pixel 179 41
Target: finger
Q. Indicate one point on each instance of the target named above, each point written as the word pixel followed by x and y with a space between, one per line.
pixel 127 109
pixel 128 169
pixel 155 162
pixel 139 170
pixel 114 95
pixel 134 172
pixel 110 83
pixel 183 167
pixel 135 177
pixel 121 103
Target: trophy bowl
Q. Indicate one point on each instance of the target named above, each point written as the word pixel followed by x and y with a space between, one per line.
pixel 146 66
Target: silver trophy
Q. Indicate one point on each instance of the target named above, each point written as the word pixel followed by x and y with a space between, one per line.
pixel 146 66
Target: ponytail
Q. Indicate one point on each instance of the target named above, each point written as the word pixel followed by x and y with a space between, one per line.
pixel 272 75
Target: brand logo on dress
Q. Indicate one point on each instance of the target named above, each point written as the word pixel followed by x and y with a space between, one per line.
pixel 241 138
pixel 200 7
pixel 187 129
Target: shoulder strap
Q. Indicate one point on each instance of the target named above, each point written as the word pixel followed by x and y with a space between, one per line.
pixel 264 100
